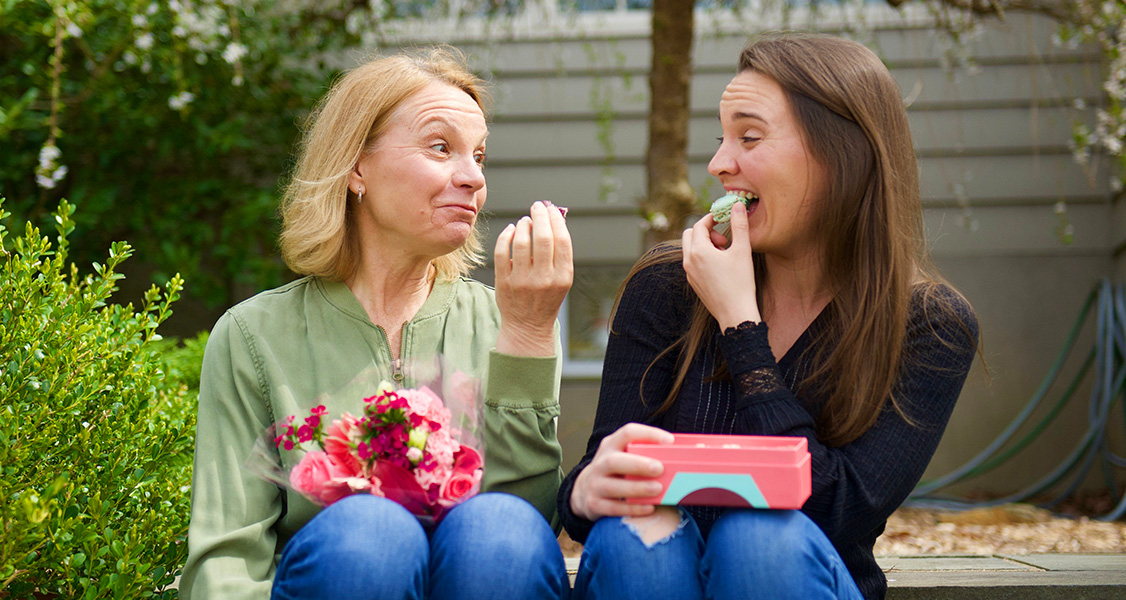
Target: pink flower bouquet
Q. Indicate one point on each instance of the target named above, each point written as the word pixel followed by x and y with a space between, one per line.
pixel 404 446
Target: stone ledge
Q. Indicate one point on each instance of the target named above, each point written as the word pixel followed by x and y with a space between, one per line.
pixel 1006 576
pixel 998 577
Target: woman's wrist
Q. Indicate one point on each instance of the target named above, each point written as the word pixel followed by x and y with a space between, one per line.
pixel 523 341
pixel 735 319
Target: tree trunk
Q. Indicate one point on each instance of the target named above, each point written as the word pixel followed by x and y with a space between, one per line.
pixel 669 193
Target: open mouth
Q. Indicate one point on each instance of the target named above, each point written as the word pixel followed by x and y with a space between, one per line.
pixel 721 208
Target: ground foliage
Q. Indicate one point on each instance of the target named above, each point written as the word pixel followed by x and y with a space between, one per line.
pixel 96 427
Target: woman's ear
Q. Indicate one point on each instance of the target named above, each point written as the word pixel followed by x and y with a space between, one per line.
pixel 356 181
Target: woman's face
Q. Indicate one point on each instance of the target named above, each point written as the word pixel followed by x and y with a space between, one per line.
pixel 763 152
pixel 424 182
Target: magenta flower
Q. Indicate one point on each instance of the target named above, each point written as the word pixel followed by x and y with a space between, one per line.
pixel 402 446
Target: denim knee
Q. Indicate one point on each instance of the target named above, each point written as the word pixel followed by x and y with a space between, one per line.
pixel 355 548
pixel 496 545
pixel 781 533
pixel 780 553
pixel 618 564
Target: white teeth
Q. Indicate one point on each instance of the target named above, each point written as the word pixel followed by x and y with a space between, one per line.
pixel 743 194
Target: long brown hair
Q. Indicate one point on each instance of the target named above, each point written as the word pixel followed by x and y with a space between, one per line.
pixel 855 126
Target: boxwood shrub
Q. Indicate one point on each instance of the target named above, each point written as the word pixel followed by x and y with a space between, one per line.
pixel 96 427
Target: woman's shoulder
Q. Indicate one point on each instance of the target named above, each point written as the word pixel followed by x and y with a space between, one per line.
pixel 938 308
pixel 660 270
pixel 467 287
pixel 266 302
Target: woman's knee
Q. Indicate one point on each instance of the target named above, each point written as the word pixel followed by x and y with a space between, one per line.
pixel 507 523
pixel 496 545
pixel 361 524
pixel 774 535
pixel 619 560
pixel 357 544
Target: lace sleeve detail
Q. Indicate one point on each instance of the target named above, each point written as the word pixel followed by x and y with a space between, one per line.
pixel 760 382
pixel 746 348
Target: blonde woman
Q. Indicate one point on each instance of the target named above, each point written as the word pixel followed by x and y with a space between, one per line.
pixel 820 319
pixel 380 218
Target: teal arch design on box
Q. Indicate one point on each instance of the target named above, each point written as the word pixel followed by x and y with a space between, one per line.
pixel 743 484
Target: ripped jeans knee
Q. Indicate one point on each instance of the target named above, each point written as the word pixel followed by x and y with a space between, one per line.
pixel 654 559
pixel 664 524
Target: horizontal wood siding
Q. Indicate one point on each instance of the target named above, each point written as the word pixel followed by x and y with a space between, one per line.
pixel 569 125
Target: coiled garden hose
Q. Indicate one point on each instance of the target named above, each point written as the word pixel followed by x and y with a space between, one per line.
pixel 1108 357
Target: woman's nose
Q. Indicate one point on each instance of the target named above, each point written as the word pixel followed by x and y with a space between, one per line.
pixel 723 162
pixel 469 174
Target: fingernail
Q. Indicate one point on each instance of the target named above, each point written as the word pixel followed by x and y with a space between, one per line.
pixel 654 488
pixel 655 468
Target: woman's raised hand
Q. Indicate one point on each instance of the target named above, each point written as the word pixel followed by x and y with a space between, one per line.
pixel 723 278
pixel 601 488
pixel 534 271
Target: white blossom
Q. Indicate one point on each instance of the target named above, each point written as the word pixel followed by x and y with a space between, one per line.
pixel 1060 207
pixel 45 182
pixel 48 155
pixel 181 100
pixel 234 52
pixel 144 41
pixel 139 21
pixel 73 30
pixel 1113 145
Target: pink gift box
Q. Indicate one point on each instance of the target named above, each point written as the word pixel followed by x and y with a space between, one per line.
pixel 749 471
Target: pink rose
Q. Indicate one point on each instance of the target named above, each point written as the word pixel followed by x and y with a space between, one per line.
pixel 460 485
pixel 338 444
pixel 322 480
pixel 465 479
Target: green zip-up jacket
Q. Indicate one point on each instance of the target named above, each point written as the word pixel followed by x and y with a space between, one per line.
pixel 287 350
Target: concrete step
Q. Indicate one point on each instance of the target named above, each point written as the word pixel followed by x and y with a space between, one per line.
pixel 998 577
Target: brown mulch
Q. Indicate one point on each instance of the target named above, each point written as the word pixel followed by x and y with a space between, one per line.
pixel 1006 529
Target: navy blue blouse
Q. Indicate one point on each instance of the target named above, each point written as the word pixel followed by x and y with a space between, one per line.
pixel 855 486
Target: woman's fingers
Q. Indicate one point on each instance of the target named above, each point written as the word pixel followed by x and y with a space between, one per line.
pixel 502 253
pixel 740 225
pixel 602 488
pixel 563 256
pixel 522 243
pixel 530 290
pixel 543 239
pixel 723 278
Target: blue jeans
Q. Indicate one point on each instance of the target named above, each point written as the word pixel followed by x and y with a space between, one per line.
pixel 767 554
pixel 494 546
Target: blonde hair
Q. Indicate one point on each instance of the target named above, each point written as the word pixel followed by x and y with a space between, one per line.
pixel 855 125
pixel 318 234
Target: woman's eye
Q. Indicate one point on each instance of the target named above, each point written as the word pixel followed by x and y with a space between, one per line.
pixel 748 139
pixel 441 147
pixel 720 140
pixel 480 158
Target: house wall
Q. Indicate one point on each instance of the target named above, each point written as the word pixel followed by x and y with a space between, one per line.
pixel 569 126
